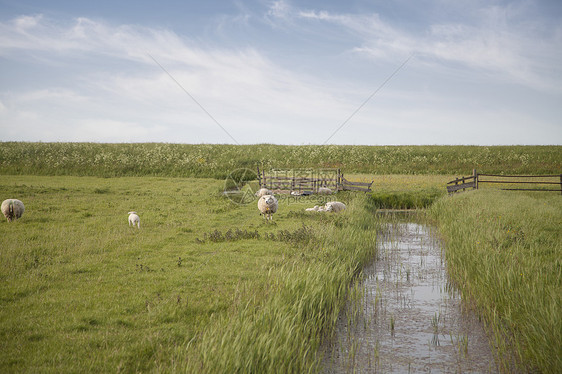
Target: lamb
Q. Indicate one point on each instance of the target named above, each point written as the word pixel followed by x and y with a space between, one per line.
pixel 12 209
pixel 263 191
pixel 324 191
pixel 316 209
pixel 335 206
pixel 332 206
pixel 267 205
pixel 303 193
pixel 134 219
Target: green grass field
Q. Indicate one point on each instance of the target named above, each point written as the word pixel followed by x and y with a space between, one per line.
pixel 82 291
pixel 206 286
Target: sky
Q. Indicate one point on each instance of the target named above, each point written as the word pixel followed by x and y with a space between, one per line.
pixel 364 72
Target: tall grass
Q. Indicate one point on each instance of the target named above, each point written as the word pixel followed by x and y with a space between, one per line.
pixel 217 161
pixel 305 296
pixel 504 251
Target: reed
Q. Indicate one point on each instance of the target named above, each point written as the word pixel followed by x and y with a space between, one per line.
pixel 283 333
pixel 504 251
pixel 219 160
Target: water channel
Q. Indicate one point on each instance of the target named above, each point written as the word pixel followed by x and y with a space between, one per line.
pixel 405 316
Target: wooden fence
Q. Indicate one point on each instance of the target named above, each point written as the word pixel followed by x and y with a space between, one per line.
pixel 355 186
pixel 476 179
pixel 308 180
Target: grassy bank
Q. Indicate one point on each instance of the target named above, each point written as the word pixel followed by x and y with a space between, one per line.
pixel 504 252
pixel 404 191
pixel 217 161
pixel 204 285
pixel 283 334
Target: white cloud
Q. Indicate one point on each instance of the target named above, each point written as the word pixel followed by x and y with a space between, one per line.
pixel 244 91
pixel 499 42
pixel 24 23
pixel 110 89
pixel 108 130
pixel 279 9
pixel 52 94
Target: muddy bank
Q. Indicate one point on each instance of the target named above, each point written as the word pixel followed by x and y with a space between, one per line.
pixel 405 316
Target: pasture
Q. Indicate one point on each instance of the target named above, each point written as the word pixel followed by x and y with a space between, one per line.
pixel 206 286
pixel 83 291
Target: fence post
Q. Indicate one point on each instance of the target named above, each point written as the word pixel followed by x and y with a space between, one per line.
pixel 561 184
pixel 338 180
pixel 475 175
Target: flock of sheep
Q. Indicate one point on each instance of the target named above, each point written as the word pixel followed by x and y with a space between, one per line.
pixel 13 209
pixel 268 204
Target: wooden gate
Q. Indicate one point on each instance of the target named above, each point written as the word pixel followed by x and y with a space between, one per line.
pixel 301 180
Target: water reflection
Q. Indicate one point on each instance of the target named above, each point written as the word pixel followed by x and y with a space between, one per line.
pixel 406 316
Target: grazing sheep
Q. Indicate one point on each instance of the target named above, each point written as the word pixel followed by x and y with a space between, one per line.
pixel 267 205
pixel 134 219
pixel 335 206
pixel 12 209
pixel 263 191
pixel 324 191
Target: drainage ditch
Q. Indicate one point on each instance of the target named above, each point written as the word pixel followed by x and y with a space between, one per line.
pixel 405 316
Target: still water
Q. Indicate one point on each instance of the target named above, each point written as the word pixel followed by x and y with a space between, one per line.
pixel 405 316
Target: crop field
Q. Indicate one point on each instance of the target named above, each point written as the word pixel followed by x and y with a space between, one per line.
pixel 205 285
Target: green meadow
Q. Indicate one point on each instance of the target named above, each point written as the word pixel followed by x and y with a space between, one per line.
pixel 206 285
pixel 203 281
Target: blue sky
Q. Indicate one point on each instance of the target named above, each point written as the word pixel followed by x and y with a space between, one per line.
pixel 284 72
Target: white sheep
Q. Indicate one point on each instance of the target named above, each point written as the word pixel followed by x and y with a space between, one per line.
pixel 12 209
pixel 324 191
pixel 134 219
pixel 263 191
pixel 267 205
pixel 316 209
pixel 334 206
